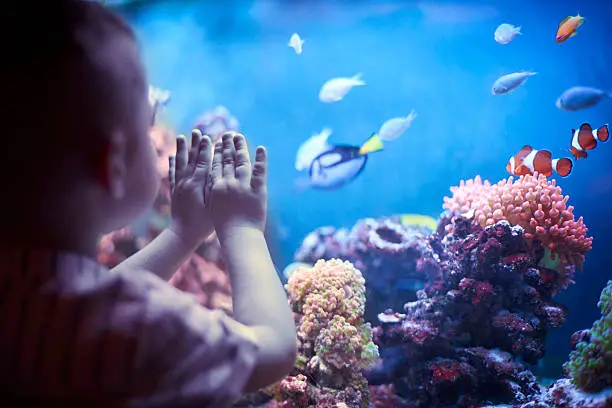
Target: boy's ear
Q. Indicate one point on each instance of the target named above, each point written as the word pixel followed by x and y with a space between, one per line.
pixel 112 170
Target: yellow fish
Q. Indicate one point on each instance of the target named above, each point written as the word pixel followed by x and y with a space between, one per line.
pixel 419 221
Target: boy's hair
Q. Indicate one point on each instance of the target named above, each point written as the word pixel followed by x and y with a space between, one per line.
pixel 59 79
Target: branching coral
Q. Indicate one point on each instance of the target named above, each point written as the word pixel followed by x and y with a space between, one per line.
pixel 590 364
pixel 334 342
pixel 534 203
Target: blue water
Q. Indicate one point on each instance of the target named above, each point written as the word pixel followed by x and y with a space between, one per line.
pixel 438 58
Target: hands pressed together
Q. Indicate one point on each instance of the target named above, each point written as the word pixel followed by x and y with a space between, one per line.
pixel 216 188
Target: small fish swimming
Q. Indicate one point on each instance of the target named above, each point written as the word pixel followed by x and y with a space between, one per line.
pixel 393 128
pixel 419 221
pixel 580 97
pixel 506 33
pixel 568 26
pixel 335 89
pixel 510 82
pixel 529 160
pixel 296 43
pixel 586 138
pixel 311 148
pixel 340 165
pixel 158 97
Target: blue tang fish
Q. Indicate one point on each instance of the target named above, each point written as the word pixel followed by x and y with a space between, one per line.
pixel 340 164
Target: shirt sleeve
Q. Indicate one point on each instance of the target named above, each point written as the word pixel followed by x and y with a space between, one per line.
pixel 190 355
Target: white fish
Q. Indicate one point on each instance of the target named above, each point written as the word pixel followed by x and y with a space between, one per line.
pixel 510 82
pixel 581 97
pixel 296 43
pixel 393 128
pixel 158 97
pixel 335 89
pixel 311 148
pixel 506 33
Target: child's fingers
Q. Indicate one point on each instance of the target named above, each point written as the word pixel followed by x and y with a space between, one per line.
pixel 260 169
pixel 202 166
pixel 196 137
pixel 172 172
pixel 180 163
pixel 228 155
pixel 216 170
pixel 243 162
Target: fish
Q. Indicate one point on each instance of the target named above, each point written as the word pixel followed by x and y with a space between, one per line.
pixel 510 82
pixel 395 127
pixel 340 165
pixel 158 97
pixel 528 161
pixel 311 148
pixel 296 43
pixel 293 266
pixel 568 26
pixel 335 89
pixel 419 221
pixel 580 97
pixel 506 33
pixel 586 138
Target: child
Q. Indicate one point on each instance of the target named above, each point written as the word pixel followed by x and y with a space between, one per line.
pixel 72 333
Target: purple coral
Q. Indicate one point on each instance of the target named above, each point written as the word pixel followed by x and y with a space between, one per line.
pixel 460 342
pixel 397 260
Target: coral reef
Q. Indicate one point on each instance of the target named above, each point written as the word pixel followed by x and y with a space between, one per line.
pixel 396 259
pixel 534 203
pixel 114 247
pixel 563 394
pixel 590 364
pixel 334 341
pixel 205 280
pixel 462 341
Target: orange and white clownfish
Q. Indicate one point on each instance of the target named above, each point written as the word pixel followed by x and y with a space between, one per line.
pixel 529 160
pixel 586 138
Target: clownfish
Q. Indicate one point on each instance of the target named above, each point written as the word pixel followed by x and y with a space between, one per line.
pixel 586 138
pixel 528 161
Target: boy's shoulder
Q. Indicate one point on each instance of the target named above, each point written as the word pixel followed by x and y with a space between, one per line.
pixel 82 311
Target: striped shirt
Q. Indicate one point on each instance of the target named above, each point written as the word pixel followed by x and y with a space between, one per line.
pixel 74 334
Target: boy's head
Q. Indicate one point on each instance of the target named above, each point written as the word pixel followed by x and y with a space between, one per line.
pixel 76 118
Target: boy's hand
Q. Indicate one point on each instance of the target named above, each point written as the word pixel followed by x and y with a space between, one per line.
pixel 189 174
pixel 238 191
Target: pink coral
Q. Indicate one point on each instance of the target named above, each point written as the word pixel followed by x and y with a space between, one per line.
pixel 206 281
pixel 534 203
